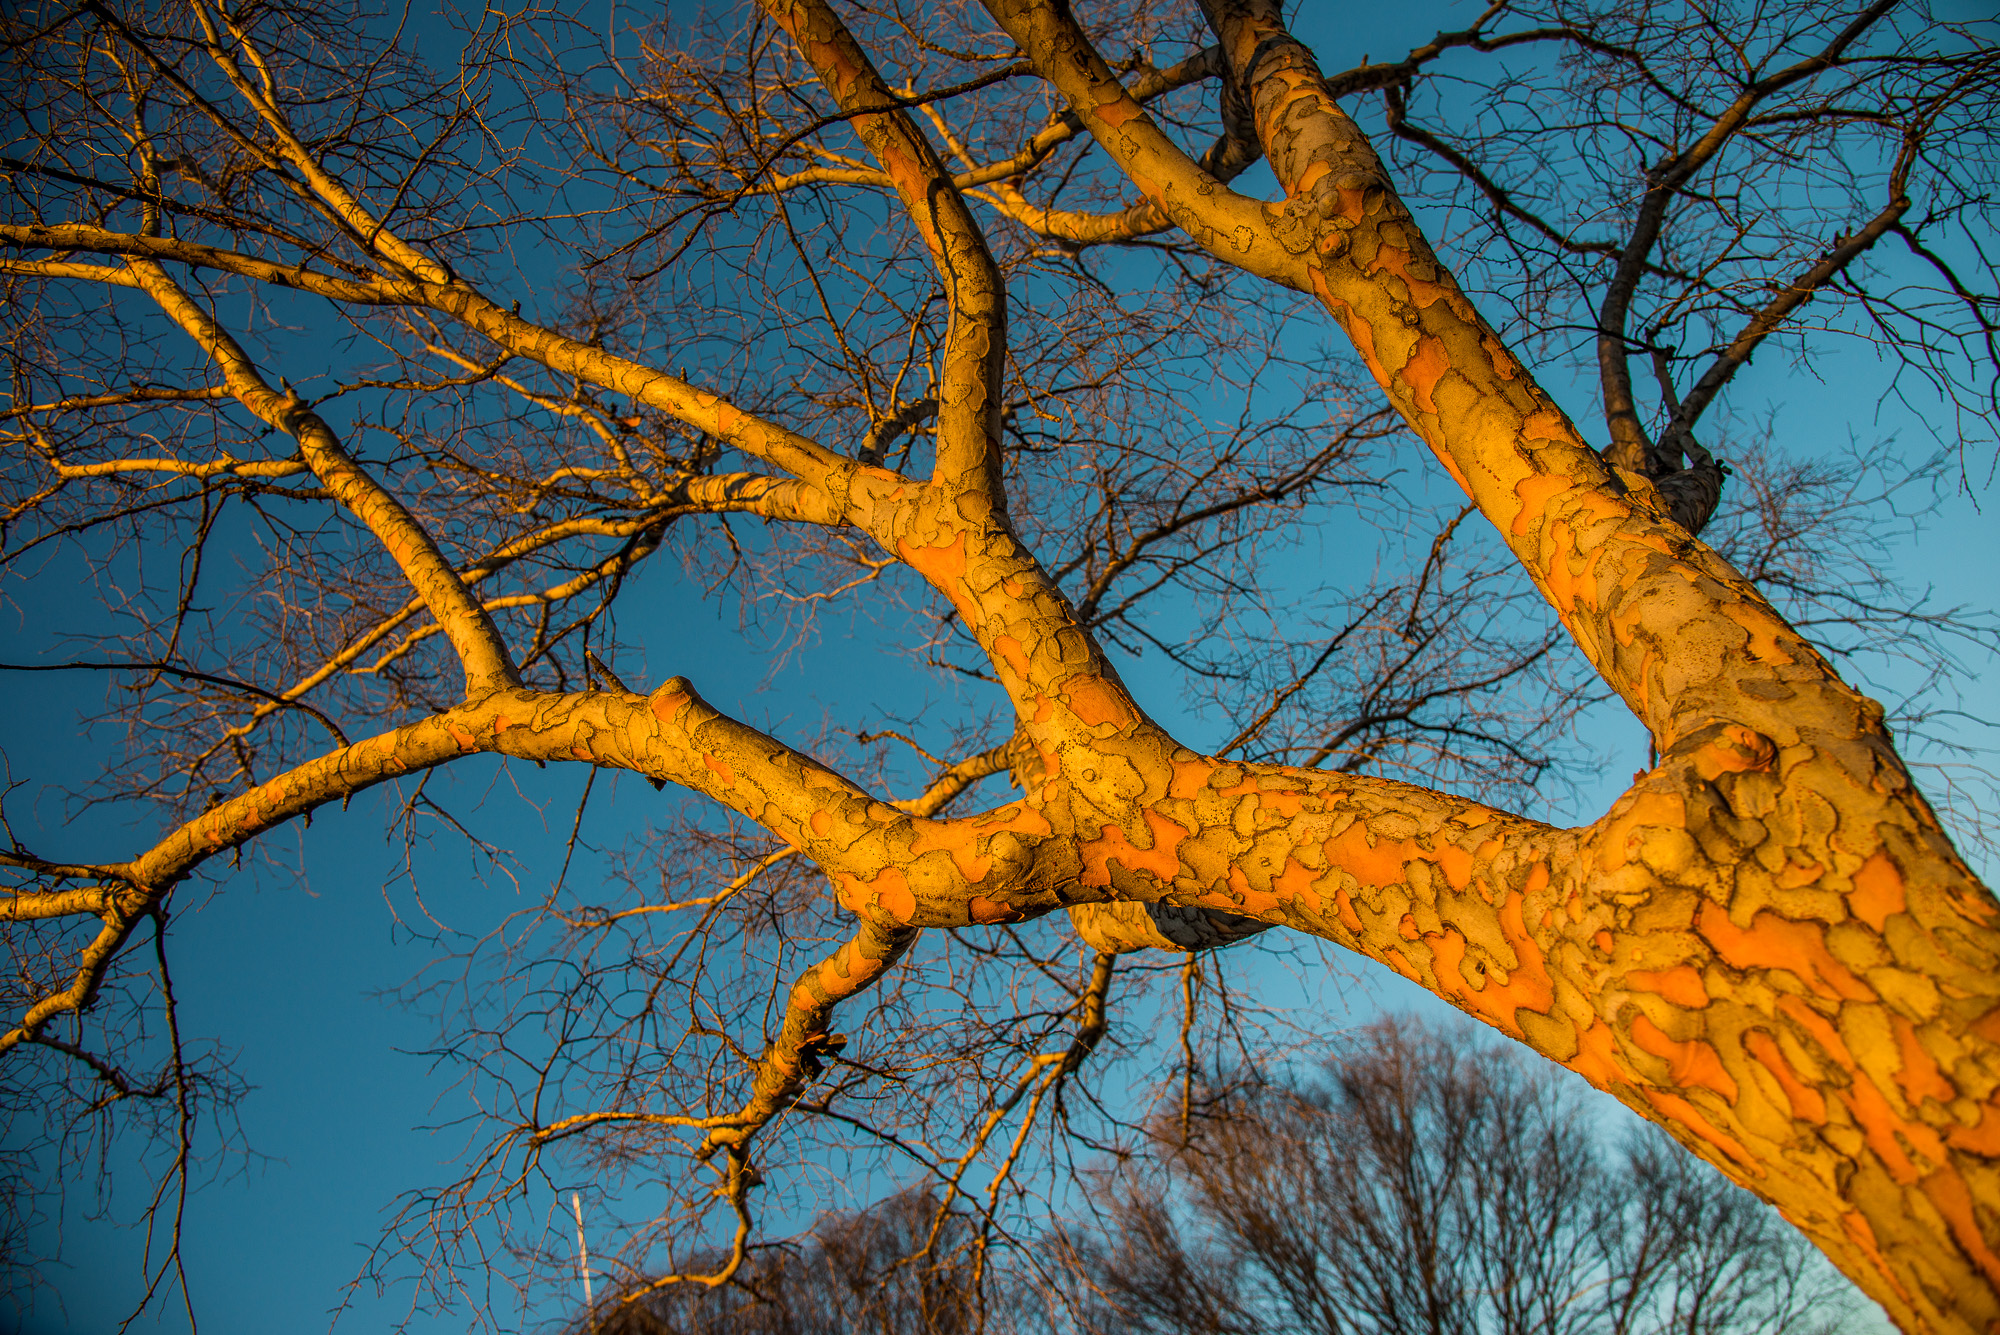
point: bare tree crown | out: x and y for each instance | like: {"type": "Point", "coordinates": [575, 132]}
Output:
{"type": "Point", "coordinates": [973, 316]}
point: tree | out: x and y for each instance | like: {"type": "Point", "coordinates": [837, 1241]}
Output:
{"type": "Point", "coordinates": [877, 311]}
{"type": "Point", "coordinates": [1482, 1177]}
{"type": "Point", "coordinates": [854, 1272]}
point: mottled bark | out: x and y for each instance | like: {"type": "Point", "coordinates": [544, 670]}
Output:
{"type": "Point", "coordinates": [1767, 945]}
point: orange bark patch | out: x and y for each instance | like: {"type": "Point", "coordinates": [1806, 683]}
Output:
{"type": "Point", "coordinates": [1528, 986]}
{"type": "Point", "coordinates": [1808, 1104]}
{"type": "Point", "coordinates": [1012, 654]}
{"type": "Point", "coordinates": [1298, 882]}
{"type": "Point", "coordinates": [1161, 860]}
{"type": "Point", "coordinates": [1117, 108]}
{"type": "Point", "coordinates": [821, 823]}
{"type": "Point", "coordinates": [1190, 778]}
{"type": "Point", "coordinates": [1878, 891]}
{"type": "Point", "coordinates": [1356, 328]}
{"type": "Point", "coordinates": [1344, 908]}
{"type": "Point", "coordinates": [1371, 864]}
{"type": "Point", "coordinates": [982, 909]}
{"type": "Point", "coordinates": [720, 768]}
{"type": "Point", "coordinates": [1395, 260]}
{"type": "Point", "coordinates": [1456, 864]}
{"type": "Point", "coordinates": [1407, 928]}
{"type": "Point", "coordinates": [1249, 899]}
{"type": "Point", "coordinates": [1981, 1138]}
{"type": "Point", "coordinates": [1447, 954]}
{"type": "Point", "coordinates": [1690, 1062]}
{"type": "Point", "coordinates": [1596, 1057]}
{"type": "Point", "coordinates": [893, 894]}
{"type": "Point", "coordinates": [1953, 1200]}
{"type": "Point", "coordinates": [1535, 492]}
{"type": "Point", "coordinates": [1771, 942]}
{"type": "Point", "coordinates": [1285, 803]}
{"type": "Point", "coordinates": [958, 838]}
{"type": "Point", "coordinates": [1095, 700]}
{"type": "Point", "coordinates": [1680, 985]}
{"type": "Point", "coordinates": [1425, 368]}
{"type": "Point", "coordinates": [1891, 1137]}
{"type": "Point", "coordinates": [943, 566]}
{"type": "Point", "coordinates": [1920, 1076]}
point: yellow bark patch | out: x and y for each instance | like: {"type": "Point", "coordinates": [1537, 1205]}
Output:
{"type": "Point", "coordinates": [1647, 809]}
{"type": "Point", "coordinates": [1735, 750]}
{"type": "Point", "coordinates": [1764, 629]}
{"type": "Point", "coordinates": [1857, 1227]}
{"type": "Point", "coordinates": [1674, 1108]}
{"type": "Point", "coordinates": [1357, 329]}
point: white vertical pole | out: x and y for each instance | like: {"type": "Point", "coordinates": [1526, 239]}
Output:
{"type": "Point", "coordinates": [582, 1252]}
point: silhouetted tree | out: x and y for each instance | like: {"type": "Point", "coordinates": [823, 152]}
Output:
{"type": "Point", "coordinates": [1425, 1186]}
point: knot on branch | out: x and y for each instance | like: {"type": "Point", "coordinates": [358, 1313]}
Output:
{"type": "Point", "coordinates": [1121, 928]}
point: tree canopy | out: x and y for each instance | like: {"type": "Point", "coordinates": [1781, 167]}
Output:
{"type": "Point", "coordinates": [372, 374]}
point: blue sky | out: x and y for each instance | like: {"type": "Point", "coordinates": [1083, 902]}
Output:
{"type": "Point", "coordinates": [290, 972]}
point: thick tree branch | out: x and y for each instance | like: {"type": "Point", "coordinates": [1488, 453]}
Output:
{"type": "Point", "coordinates": [488, 666]}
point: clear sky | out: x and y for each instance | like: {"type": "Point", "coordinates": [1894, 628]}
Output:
{"type": "Point", "coordinates": [289, 972]}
